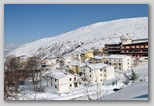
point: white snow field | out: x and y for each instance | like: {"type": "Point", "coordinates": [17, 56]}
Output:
{"type": "Point", "coordinates": [85, 38]}
{"type": "Point", "coordinates": [137, 91]}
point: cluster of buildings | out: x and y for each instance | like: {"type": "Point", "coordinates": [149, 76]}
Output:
{"type": "Point", "coordinates": [95, 66]}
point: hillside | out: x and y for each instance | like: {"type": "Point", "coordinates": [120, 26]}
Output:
{"type": "Point", "coordinates": [85, 38]}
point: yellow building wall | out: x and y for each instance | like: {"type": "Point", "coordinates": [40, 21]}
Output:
{"type": "Point", "coordinates": [88, 54]}
{"type": "Point", "coordinates": [74, 68]}
{"type": "Point", "coordinates": [101, 50]}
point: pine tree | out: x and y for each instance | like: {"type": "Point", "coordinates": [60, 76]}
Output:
{"type": "Point", "coordinates": [133, 76]}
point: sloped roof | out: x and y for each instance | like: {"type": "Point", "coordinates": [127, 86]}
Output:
{"type": "Point", "coordinates": [56, 74]}
{"type": "Point", "coordinates": [116, 56]}
{"type": "Point", "coordinates": [97, 66]}
{"type": "Point", "coordinates": [138, 41]}
{"type": "Point", "coordinates": [77, 63]}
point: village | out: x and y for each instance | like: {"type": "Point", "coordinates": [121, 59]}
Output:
{"type": "Point", "coordinates": [95, 66]}
{"type": "Point", "coordinates": [103, 66]}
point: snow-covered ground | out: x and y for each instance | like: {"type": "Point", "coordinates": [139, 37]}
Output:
{"type": "Point", "coordinates": [132, 91]}
{"type": "Point", "coordinates": [137, 91]}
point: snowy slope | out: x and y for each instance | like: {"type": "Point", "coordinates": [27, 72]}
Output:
{"type": "Point", "coordinates": [137, 91]}
{"type": "Point", "coordinates": [85, 38]}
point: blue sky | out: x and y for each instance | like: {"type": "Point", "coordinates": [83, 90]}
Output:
{"type": "Point", "coordinates": [25, 23]}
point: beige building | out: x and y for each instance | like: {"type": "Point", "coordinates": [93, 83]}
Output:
{"type": "Point", "coordinates": [75, 66]}
{"type": "Point", "coordinates": [97, 59]}
{"type": "Point", "coordinates": [120, 62]}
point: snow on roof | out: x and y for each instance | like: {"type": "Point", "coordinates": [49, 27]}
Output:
{"type": "Point", "coordinates": [138, 41]}
{"type": "Point", "coordinates": [74, 62]}
{"type": "Point", "coordinates": [97, 57]}
{"type": "Point", "coordinates": [116, 56]}
{"type": "Point", "coordinates": [82, 64]}
{"type": "Point", "coordinates": [67, 57]}
{"type": "Point", "coordinates": [114, 43]}
{"type": "Point", "coordinates": [77, 63]}
{"type": "Point", "coordinates": [56, 74]}
{"type": "Point", "coordinates": [97, 66]}
{"type": "Point", "coordinates": [137, 91]}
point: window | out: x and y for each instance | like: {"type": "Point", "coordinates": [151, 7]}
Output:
{"type": "Point", "coordinates": [119, 64]}
{"type": "Point", "coordinates": [104, 70]}
{"type": "Point", "coordinates": [90, 75]}
{"type": "Point", "coordinates": [70, 79]}
{"type": "Point", "coordinates": [70, 85]}
{"type": "Point", "coordinates": [128, 63]}
{"type": "Point", "coordinates": [101, 69]}
{"type": "Point", "coordinates": [75, 85]}
{"type": "Point", "coordinates": [90, 71]}
{"type": "Point", "coordinates": [55, 80]}
{"type": "Point", "coordinates": [100, 74]}
{"type": "Point", "coordinates": [75, 78]}
{"type": "Point", "coordinates": [55, 86]}
{"type": "Point", "coordinates": [104, 75]}
{"type": "Point", "coordinates": [128, 59]}
{"type": "Point", "coordinates": [101, 80]}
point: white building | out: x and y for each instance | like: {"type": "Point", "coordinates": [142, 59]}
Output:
{"type": "Point", "coordinates": [120, 62]}
{"type": "Point", "coordinates": [97, 73]}
{"type": "Point", "coordinates": [62, 81]}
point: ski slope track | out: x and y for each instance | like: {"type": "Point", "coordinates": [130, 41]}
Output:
{"type": "Point", "coordinates": [85, 38]}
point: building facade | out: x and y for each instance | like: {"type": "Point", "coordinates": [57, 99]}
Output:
{"type": "Point", "coordinates": [97, 73]}
{"type": "Point", "coordinates": [112, 48]}
{"type": "Point", "coordinates": [138, 48]}
{"type": "Point", "coordinates": [120, 62]}
{"type": "Point", "coordinates": [65, 82]}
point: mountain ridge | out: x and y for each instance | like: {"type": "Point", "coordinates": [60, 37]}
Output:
{"type": "Point", "coordinates": [85, 38]}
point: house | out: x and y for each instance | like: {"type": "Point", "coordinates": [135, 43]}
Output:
{"type": "Point", "coordinates": [98, 52]}
{"type": "Point", "coordinates": [137, 48]}
{"type": "Point", "coordinates": [75, 66]}
{"type": "Point", "coordinates": [48, 62]}
{"type": "Point", "coordinates": [85, 55]}
{"type": "Point", "coordinates": [120, 62]}
{"type": "Point", "coordinates": [97, 59]}
{"type": "Point", "coordinates": [67, 59]}
{"type": "Point", "coordinates": [97, 73]}
{"type": "Point", "coordinates": [62, 81]}
{"type": "Point", "coordinates": [89, 54]}
{"type": "Point", "coordinates": [22, 58]}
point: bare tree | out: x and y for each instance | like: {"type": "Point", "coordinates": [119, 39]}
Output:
{"type": "Point", "coordinates": [12, 75]}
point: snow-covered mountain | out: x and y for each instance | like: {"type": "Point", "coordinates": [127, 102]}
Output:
{"type": "Point", "coordinates": [85, 38]}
